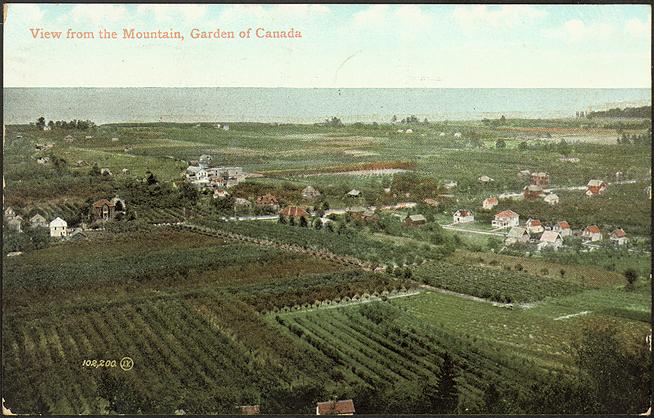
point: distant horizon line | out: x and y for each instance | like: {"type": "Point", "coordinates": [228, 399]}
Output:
{"type": "Point", "coordinates": [326, 88]}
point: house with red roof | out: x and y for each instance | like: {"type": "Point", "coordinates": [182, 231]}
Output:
{"type": "Point", "coordinates": [563, 228]}
{"type": "Point", "coordinates": [344, 407]}
{"type": "Point", "coordinates": [103, 209]}
{"type": "Point", "coordinates": [619, 237]}
{"type": "Point", "coordinates": [592, 233]}
{"type": "Point", "coordinates": [533, 192]}
{"type": "Point", "coordinates": [293, 212]}
{"type": "Point", "coordinates": [534, 226]}
{"type": "Point", "coordinates": [506, 218]}
{"type": "Point", "coordinates": [462, 216]}
{"type": "Point", "coordinates": [489, 203]}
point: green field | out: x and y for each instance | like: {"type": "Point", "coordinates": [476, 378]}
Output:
{"type": "Point", "coordinates": [216, 314]}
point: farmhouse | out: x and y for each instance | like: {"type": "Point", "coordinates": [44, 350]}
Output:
{"type": "Point", "coordinates": [106, 172]}
{"type": "Point", "coordinates": [485, 179]}
{"type": "Point", "coordinates": [345, 407]}
{"type": "Point", "coordinates": [550, 239]}
{"type": "Point", "coordinates": [43, 160]}
{"type": "Point", "coordinates": [310, 193]}
{"type": "Point", "coordinates": [534, 226]}
{"type": "Point", "coordinates": [81, 163]}
{"type": "Point", "coordinates": [103, 209]}
{"type": "Point", "coordinates": [540, 179]}
{"type": "Point", "coordinates": [489, 203]}
{"type": "Point", "coordinates": [551, 199]}
{"type": "Point", "coordinates": [463, 216]}
{"type": "Point", "coordinates": [595, 187]}
{"type": "Point", "coordinates": [532, 192]}
{"type": "Point", "coordinates": [15, 223]}
{"type": "Point", "coordinates": [415, 220]}
{"type": "Point", "coordinates": [268, 200]}
{"type": "Point", "coordinates": [38, 221]}
{"type": "Point", "coordinates": [58, 228]}
{"type": "Point", "coordinates": [457, 134]}
{"type": "Point", "coordinates": [408, 131]}
{"type": "Point", "coordinates": [563, 228]}
{"type": "Point", "coordinates": [592, 233]}
{"type": "Point", "coordinates": [354, 193]}
{"type": "Point", "coordinates": [293, 212]}
{"type": "Point", "coordinates": [69, 138]}
{"type": "Point", "coordinates": [431, 202]}
{"type": "Point", "coordinates": [9, 212]}
{"type": "Point", "coordinates": [524, 174]}
{"type": "Point", "coordinates": [619, 237]}
{"type": "Point", "coordinates": [505, 219]}
{"type": "Point", "coordinates": [517, 234]}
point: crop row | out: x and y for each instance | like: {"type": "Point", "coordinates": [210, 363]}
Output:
{"type": "Point", "coordinates": [352, 244]}
{"type": "Point", "coordinates": [493, 283]}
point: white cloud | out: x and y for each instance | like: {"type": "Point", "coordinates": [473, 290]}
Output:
{"type": "Point", "coordinates": [382, 14]}
{"type": "Point", "coordinates": [373, 15]}
{"type": "Point", "coordinates": [30, 13]}
{"type": "Point", "coordinates": [505, 16]}
{"type": "Point", "coordinates": [576, 30]}
{"type": "Point", "coordinates": [169, 12]}
{"type": "Point", "coordinates": [260, 13]}
{"type": "Point", "coordinates": [637, 28]}
{"type": "Point", "coordinates": [97, 13]}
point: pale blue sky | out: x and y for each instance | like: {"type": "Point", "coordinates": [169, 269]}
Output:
{"type": "Point", "coordinates": [342, 46]}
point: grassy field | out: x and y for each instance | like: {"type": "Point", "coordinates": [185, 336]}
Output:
{"type": "Point", "coordinates": [218, 314]}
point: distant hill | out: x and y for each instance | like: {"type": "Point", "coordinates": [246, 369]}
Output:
{"type": "Point", "coordinates": [628, 112]}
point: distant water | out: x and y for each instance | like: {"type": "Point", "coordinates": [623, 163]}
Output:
{"type": "Point", "coordinates": [107, 105]}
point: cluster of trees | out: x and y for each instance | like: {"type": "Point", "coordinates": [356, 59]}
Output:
{"type": "Point", "coordinates": [643, 112]}
{"type": "Point", "coordinates": [562, 147]}
{"type": "Point", "coordinates": [413, 119]}
{"type": "Point", "coordinates": [29, 239]}
{"type": "Point", "coordinates": [62, 124]}
{"type": "Point", "coordinates": [494, 122]}
{"type": "Point", "coordinates": [613, 377]}
{"type": "Point", "coordinates": [641, 139]}
{"type": "Point", "coordinates": [333, 122]}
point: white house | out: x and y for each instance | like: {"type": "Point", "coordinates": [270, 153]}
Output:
{"type": "Point", "coordinates": [463, 216]}
{"type": "Point", "coordinates": [485, 179]}
{"type": "Point", "coordinates": [592, 233]}
{"type": "Point", "coordinates": [563, 228]}
{"type": "Point", "coordinates": [550, 239]}
{"type": "Point", "coordinates": [457, 135]}
{"type": "Point", "coordinates": [38, 221]}
{"type": "Point", "coordinates": [534, 226]}
{"type": "Point", "coordinates": [58, 228]}
{"type": "Point", "coordinates": [595, 187]}
{"type": "Point", "coordinates": [408, 131]}
{"type": "Point", "coordinates": [619, 237]}
{"type": "Point", "coordinates": [551, 199]}
{"type": "Point", "coordinates": [505, 219]}
{"type": "Point", "coordinates": [517, 234]}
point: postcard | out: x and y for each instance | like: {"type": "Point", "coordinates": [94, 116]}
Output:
{"type": "Point", "coordinates": [329, 209]}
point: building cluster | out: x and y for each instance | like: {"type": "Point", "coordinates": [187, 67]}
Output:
{"type": "Point", "coordinates": [550, 236]}
{"type": "Point", "coordinates": [203, 175]}
{"type": "Point", "coordinates": [102, 210]}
